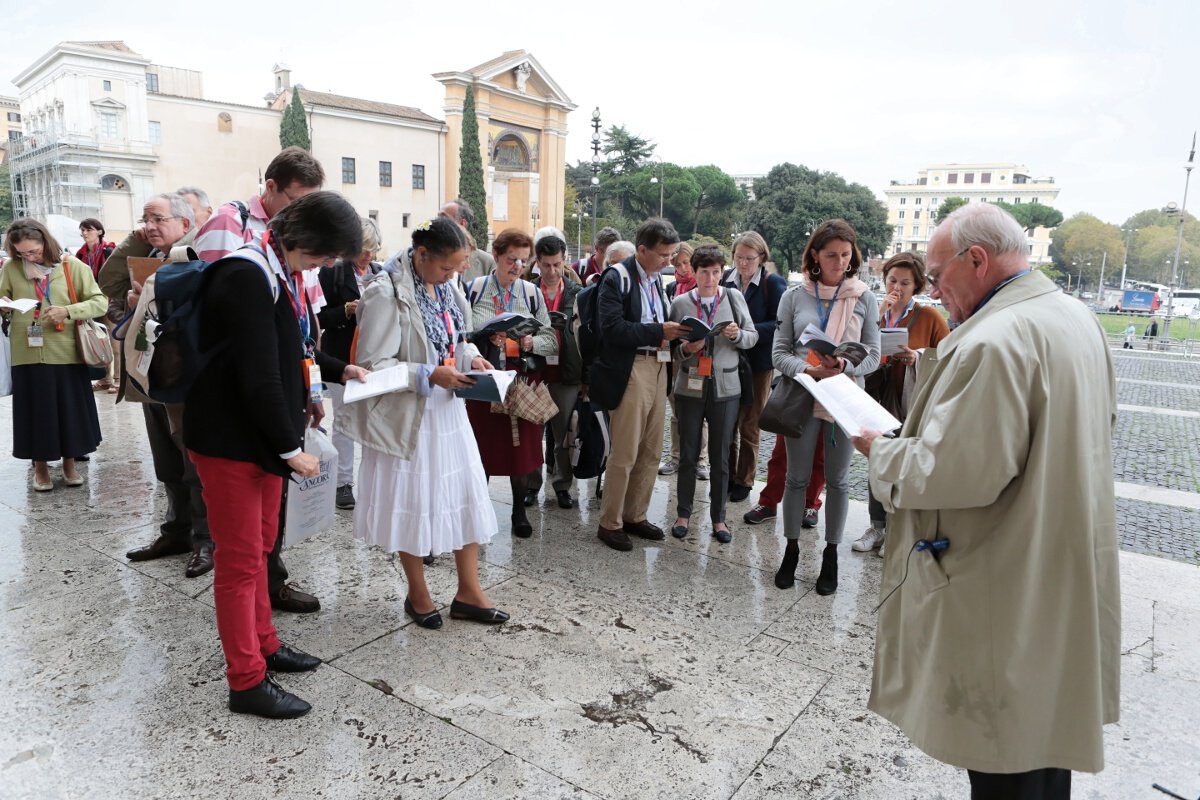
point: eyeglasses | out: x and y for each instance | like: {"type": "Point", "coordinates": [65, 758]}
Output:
{"type": "Point", "coordinates": [33, 252]}
{"type": "Point", "coordinates": [935, 278]}
{"type": "Point", "coordinates": [156, 220]}
{"type": "Point", "coordinates": [746, 259]}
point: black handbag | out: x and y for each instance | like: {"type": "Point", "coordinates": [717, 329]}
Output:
{"type": "Point", "coordinates": [788, 409]}
{"type": "Point", "coordinates": [746, 377]}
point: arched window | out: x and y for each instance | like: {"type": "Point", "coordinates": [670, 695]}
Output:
{"type": "Point", "coordinates": [114, 183]}
{"type": "Point", "coordinates": [510, 153]}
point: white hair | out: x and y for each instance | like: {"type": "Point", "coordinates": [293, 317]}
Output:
{"type": "Point", "coordinates": [200, 195]}
{"type": "Point", "coordinates": [180, 207]}
{"type": "Point", "coordinates": [370, 235]}
{"type": "Point", "coordinates": [986, 225]}
{"type": "Point", "coordinates": [549, 230]}
{"type": "Point", "coordinates": [618, 251]}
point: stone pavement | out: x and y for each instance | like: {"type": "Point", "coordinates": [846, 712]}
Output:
{"type": "Point", "coordinates": [676, 670]}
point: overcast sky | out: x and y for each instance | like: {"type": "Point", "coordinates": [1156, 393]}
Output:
{"type": "Point", "coordinates": [1101, 95]}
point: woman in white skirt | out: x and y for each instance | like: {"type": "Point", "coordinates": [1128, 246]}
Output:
{"type": "Point", "coordinates": [422, 489]}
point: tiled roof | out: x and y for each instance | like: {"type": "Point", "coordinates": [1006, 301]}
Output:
{"type": "Point", "coordinates": [369, 106]}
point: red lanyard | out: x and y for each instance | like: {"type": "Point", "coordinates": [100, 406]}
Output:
{"type": "Point", "coordinates": [507, 302]}
{"type": "Point", "coordinates": [42, 288]}
{"type": "Point", "coordinates": [700, 309]}
{"type": "Point", "coordinates": [298, 297]}
{"type": "Point", "coordinates": [556, 303]}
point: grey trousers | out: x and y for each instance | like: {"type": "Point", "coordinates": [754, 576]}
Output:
{"type": "Point", "coordinates": [800, 449]}
{"type": "Point", "coordinates": [186, 515]}
{"type": "Point", "coordinates": [564, 398]}
{"type": "Point", "coordinates": [721, 416]}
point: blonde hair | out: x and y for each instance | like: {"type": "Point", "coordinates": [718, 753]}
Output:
{"type": "Point", "coordinates": [370, 235]}
{"type": "Point", "coordinates": [755, 241]}
{"type": "Point", "coordinates": [685, 249]}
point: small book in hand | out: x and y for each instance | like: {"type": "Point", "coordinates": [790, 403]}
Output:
{"type": "Point", "coordinates": [515, 326]}
{"type": "Point", "coordinates": [815, 339]}
{"type": "Point", "coordinates": [558, 320]}
{"type": "Point", "coordinates": [698, 330]}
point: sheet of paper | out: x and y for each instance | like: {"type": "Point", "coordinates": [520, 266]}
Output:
{"type": "Point", "coordinates": [853, 409]}
{"type": "Point", "coordinates": [385, 381]}
{"type": "Point", "coordinates": [28, 304]}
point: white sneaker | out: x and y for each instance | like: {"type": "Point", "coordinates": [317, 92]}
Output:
{"type": "Point", "coordinates": [882, 547]}
{"type": "Point", "coordinates": [868, 541]}
{"type": "Point", "coordinates": [668, 467]}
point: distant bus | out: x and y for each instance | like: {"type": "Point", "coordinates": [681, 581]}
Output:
{"type": "Point", "coordinates": [1135, 300]}
{"type": "Point", "coordinates": [1187, 302]}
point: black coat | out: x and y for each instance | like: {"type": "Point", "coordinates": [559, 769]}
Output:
{"type": "Point", "coordinates": [762, 299]}
{"type": "Point", "coordinates": [340, 287]}
{"type": "Point", "coordinates": [249, 403]}
{"type": "Point", "coordinates": [621, 334]}
{"type": "Point", "coordinates": [570, 362]}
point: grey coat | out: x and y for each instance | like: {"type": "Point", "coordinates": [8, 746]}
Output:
{"type": "Point", "coordinates": [724, 352]}
{"type": "Point", "coordinates": [797, 309]}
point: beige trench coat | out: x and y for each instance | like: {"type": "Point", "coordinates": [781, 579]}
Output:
{"type": "Point", "coordinates": [1003, 656]}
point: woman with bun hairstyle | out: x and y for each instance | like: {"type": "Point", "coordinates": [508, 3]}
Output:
{"type": "Point", "coordinates": [422, 488]}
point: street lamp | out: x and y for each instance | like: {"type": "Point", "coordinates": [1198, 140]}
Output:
{"type": "Point", "coordinates": [659, 180]}
{"type": "Point", "coordinates": [595, 169]}
{"type": "Point", "coordinates": [1129, 234]}
{"type": "Point", "coordinates": [1187, 168]}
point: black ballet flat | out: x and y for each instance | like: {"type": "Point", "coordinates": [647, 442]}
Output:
{"type": "Point", "coordinates": [432, 620]}
{"type": "Point", "coordinates": [490, 616]}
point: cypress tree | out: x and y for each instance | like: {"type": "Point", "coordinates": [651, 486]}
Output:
{"type": "Point", "coordinates": [293, 128]}
{"type": "Point", "coordinates": [470, 171]}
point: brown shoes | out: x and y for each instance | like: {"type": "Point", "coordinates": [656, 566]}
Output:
{"type": "Point", "coordinates": [645, 530]}
{"type": "Point", "coordinates": [616, 539]}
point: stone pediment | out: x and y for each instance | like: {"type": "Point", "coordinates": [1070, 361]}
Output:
{"type": "Point", "coordinates": [108, 103]}
{"type": "Point", "coordinates": [515, 71]}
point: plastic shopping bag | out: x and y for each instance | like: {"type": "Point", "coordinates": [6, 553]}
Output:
{"type": "Point", "coordinates": [5, 366]}
{"type": "Point", "coordinates": [310, 503]}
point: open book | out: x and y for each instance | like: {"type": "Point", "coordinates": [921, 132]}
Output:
{"type": "Point", "coordinates": [385, 381]}
{"type": "Point", "coordinates": [853, 409]}
{"type": "Point", "coordinates": [699, 330]}
{"type": "Point", "coordinates": [22, 306]}
{"type": "Point", "coordinates": [815, 339]}
{"type": "Point", "coordinates": [515, 326]}
{"type": "Point", "coordinates": [491, 385]}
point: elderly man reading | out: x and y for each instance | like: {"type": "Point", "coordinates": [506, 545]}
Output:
{"type": "Point", "coordinates": [998, 640]}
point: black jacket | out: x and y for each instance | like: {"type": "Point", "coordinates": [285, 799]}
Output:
{"type": "Point", "coordinates": [340, 287]}
{"type": "Point", "coordinates": [249, 403]}
{"type": "Point", "coordinates": [763, 301]}
{"type": "Point", "coordinates": [621, 334]}
{"type": "Point", "coordinates": [570, 362]}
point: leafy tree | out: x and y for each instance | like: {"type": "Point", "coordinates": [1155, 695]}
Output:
{"type": "Point", "coordinates": [470, 171]}
{"type": "Point", "coordinates": [293, 128]}
{"type": "Point", "coordinates": [949, 206]}
{"type": "Point", "coordinates": [627, 152]}
{"type": "Point", "coordinates": [1033, 215]}
{"type": "Point", "coordinates": [718, 193]}
{"type": "Point", "coordinates": [791, 200]}
{"type": "Point", "coordinates": [6, 199]}
{"type": "Point", "coordinates": [1078, 248]}
{"type": "Point", "coordinates": [1152, 246]}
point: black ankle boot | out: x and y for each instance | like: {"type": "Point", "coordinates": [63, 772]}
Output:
{"type": "Point", "coordinates": [785, 578]}
{"type": "Point", "coordinates": [827, 580]}
{"type": "Point", "coordinates": [521, 527]}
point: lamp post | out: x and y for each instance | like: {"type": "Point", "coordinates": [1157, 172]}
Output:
{"type": "Point", "coordinates": [580, 213]}
{"type": "Point", "coordinates": [1187, 168]}
{"type": "Point", "coordinates": [595, 169]}
{"type": "Point", "coordinates": [1125, 263]}
{"type": "Point", "coordinates": [659, 180]}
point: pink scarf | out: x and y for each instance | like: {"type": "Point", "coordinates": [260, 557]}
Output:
{"type": "Point", "coordinates": [843, 325]}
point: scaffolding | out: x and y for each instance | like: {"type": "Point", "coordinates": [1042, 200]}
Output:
{"type": "Point", "coordinates": [54, 173]}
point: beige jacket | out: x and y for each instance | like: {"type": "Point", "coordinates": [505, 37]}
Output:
{"type": "Point", "coordinates": [1003, 656]}
{"type": "Point", "coordinates": [391, 332]}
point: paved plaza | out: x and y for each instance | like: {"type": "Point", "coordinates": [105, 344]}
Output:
{"type": "Point", "coordinates": [675, 671]}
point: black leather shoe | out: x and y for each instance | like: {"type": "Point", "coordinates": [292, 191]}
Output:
{"type": "Point", "coordinates": [564, 499]}
{"type": "Point", "coordinates": [679, 531]}
{"type": "Point", "coordinates": [645, 530]}
{"type": "Point", "coordinates": [723, 535]}
{"type": "Point", "coordinates": [269, 700]}
{"type": "Point", "coordinates": [285, 659]}
{"type": "Point", "coordinates": [828, 579]}
{"type": "Point", "coordinates": [738, 493]}
{"type": "Point", "coordinates": [201, 561]}
{"type": "Point", "coordinates": [616, 539]}
{"type": "Point", "coordinates": [432, 620]}
{"type": "Point", "coordinates": [785, 577]}
{"type": "Point", "coordinates": [521, 528]}
{"type": "Point", "coordinates": [295, 601]}
{"type": "Point", "coordinates": [490, 616]}
{"type": "Point", "coordinates": [160, 547]}
{"type": "Point", "coordinates": [428, 560]}
{"type": "Point", "coordinates": [530, 498]}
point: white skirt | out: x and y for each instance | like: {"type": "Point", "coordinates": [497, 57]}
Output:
{"type": "Point", "coordinates": [437, 502]}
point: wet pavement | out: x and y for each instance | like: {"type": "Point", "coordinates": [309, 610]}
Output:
{"type": "Point", "coordinates": [674, 670]}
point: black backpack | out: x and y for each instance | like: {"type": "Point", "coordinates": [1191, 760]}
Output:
{"type": "Point", "coordinates": [587, 335]}
{"type": "Point", "coordinates": [588, 440]}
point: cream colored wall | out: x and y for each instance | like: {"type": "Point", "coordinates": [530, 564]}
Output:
{"type": "Point", "coordinates": [368, 142]}
{"type": "Point", "coordinates": [178, 81]}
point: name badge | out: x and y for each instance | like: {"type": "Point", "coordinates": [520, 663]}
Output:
{"type": "Point", "coordinates": [313, 374]}
{"type": "Point", "coordinates": [664, 353]}
{"type": "Point", "coordinates": [144, 357]}
{"type": "Point", "coordinates": [695, 382]}
{"type": "Point", "coordinates": [35, 337]}
{"type": "Point", "coordinates": [552, 361]}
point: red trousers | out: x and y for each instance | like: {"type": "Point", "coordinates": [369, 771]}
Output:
{"type": "Point", "coordinates": [772, 493]}
{"type": "Point", "coordinates": [243, 515]}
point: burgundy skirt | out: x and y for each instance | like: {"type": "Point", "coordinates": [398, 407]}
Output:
{"type": "Point", "coordinates": [494, 434]}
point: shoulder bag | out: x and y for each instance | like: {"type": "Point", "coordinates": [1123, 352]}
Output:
{"type": "Point", "coordinates": [91, 337]}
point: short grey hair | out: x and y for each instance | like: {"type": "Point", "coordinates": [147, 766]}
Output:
{"type": "Point", "coordinates": [200, 195]}
{"type": "Point", "coordinates": [370, 235]}
{"type": "Point", "coordinates": [180, 207]}
{"type": "Point", "coordinates": [618, 251]}
{"type": "Point", "coordinates": [986, 225]}
{"type": "Point", "coordinates": [549, 230]}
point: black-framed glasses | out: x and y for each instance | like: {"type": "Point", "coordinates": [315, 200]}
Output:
{"type": "Point", "coordinates": [157, 220]}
